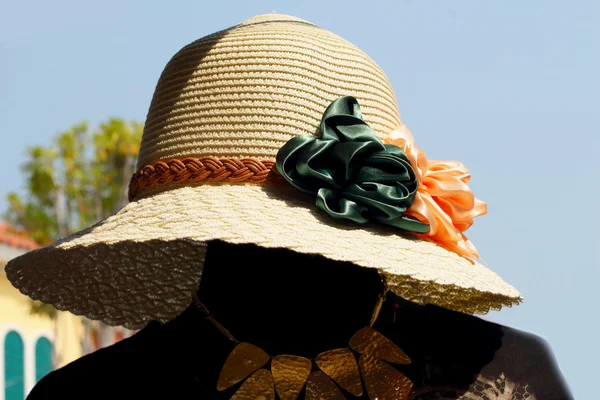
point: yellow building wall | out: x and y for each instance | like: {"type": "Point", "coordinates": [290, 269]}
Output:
{"type": "Point", "coordinates": [15, 315]}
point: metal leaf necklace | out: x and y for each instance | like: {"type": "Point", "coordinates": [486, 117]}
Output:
{"type": "Point", "coordinates": [323, 376]}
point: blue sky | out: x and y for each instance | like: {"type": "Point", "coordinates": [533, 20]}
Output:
{"type": "Point", "coordinates": [509, 88]}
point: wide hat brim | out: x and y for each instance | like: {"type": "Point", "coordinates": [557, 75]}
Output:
{"type": "Point", "coordinates": [145, 262]}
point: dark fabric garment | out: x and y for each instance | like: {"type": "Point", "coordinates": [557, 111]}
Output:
{"type": "Point", "coordinates": [454, 356]}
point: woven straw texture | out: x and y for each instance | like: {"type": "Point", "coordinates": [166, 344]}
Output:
{"type": "Point", "coordinates": [245, 91]}
{"type": "Point", "coordinates": [242, 93]}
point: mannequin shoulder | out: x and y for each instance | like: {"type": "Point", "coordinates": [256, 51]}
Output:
{"type": "Point", "coordinates": [471, 354]}
{"type": "Point", "coordinates": [525, 366]}
{"type": "Point", "coordinates": [122, 368]}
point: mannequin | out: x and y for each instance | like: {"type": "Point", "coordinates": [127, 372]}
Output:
{"type": "Point", "coordinates": [287, 303]}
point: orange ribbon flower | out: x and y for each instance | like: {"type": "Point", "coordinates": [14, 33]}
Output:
{"type": "Point", "coordinates": [443, 200]}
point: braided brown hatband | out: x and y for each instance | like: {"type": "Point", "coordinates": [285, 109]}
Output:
{"type": "Point", "coordinates": [210, 169]}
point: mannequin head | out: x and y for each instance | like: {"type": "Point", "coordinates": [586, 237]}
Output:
{"type": "Point", "coordinates": [270, 295]}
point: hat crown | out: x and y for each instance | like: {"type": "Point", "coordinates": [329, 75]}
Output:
{"type": "Point", "coordinates": [245, 91]}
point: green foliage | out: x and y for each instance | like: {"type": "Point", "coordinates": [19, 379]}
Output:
{"type": "Point", "coordinates": [78, 179]}
{"type": "Point", "coordinates": [31, 217]}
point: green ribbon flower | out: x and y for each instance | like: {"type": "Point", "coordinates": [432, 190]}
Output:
{"type": "Point", "coordinates": [352, 173]}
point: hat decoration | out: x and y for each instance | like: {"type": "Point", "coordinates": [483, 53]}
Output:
{"type": "Point", "coordinates": [355, 176]}
{"type": "Point", "coordinates": [352, 173]}
{"type": "Point", "coordinates": [443, 199]}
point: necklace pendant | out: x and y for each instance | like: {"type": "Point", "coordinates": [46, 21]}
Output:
{"type": "Point", "coordinates": [243, 360]}
{"type": "Point", "coordinates": [340, 365]}
{"type": "Point", "coordinates": [382, 380]}
{"type": "Point", "coordinates": [369, 341]}
{"type": "Point", "coordinates": [290, 374]}
{"type": "Point", "coordinates": [258, 387]}
{"type": "Point", "coordinates": [320, 387]}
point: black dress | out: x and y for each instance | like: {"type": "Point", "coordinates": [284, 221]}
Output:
{"type": "Point", "coordinates": [454, 356]}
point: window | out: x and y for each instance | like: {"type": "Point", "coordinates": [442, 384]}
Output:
{"type": "Point", "coordinates": [14, 367]}
{"type": "Point", "coordinates": [43, 358]}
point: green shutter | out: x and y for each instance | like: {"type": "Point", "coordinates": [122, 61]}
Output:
{"type": "Point", "coordinates": [43, 358]}
{"type": "Point", "coordinates": [14, 367]}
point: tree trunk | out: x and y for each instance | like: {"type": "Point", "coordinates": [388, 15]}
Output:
{"type": "Point", "coordinates": [60, 221]}
{"type": "Point", "coordinates": [87, 346]}
{"type": "Point", "coordinates": [124, 192]}
{"type": "Point", "coordinates": [106, 335]}
{"type": "Point", "coordinates": [56, 359]}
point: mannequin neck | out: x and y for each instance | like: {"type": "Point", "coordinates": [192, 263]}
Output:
{"type": "Point", "coordinates": [285, 302]}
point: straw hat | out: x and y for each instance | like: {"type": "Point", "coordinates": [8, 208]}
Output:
{"type": "Point", "coordinates": [223, 108]}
